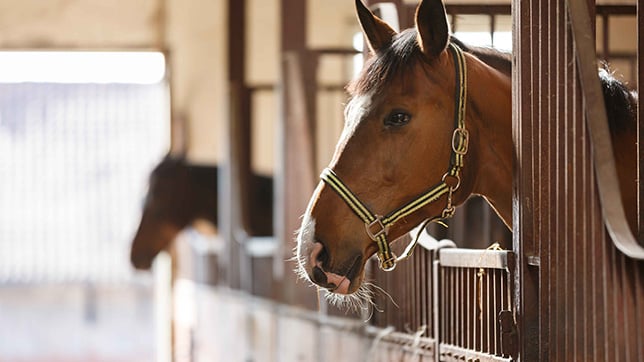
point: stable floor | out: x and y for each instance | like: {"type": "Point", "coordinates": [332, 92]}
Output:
{"type": "Point", "coordinates": [76, 322]}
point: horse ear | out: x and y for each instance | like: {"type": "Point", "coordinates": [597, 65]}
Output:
{"type": "Point", "coordinates": [432, 27]}
{"type": "Point", "coordinates": [377, 32]}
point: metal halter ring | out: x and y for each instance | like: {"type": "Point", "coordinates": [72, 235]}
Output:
{"type": "Point", "coordinates": [460, 141]}
{"type": "Point", "coordinates": [392, 260]}
{"type": "Point", "coordinates": [458, 181]}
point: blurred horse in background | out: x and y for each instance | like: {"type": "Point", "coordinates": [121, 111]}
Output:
{"type": "Point", "coordinates": [179, 194]}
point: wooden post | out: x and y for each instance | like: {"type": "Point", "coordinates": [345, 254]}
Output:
{"type": "Point", "coordinates": [235, 170]}
{"type": "Point", "coordinates": [295, 175]}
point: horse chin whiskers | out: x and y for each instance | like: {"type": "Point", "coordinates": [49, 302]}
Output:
{"type": "Point", "coordinates": [360, 300]}
{"type": "Point", "coordinates": [304, 235]}
{"type": "Point", "coordinates": [299, 270]}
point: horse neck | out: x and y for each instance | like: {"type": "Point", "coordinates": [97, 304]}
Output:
{"type": "Point", "coordinates": [490, 117]}
{"type": "Point", "coordinates": [202, 191]}
{"type": "Point", "coordinates": [625, 152]}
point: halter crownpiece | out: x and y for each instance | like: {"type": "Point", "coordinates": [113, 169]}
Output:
{"type": "Point", "coordinates": [377, 226]}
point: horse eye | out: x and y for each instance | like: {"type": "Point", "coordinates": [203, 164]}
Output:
{"type": "Point", "coordinates": [397, 119]}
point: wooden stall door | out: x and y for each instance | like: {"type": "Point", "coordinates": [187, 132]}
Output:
{"type": "Point", "coordinates": [579, 298]}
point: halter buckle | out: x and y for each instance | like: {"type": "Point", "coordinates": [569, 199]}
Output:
{"type": "Point", "coordinates": [377, 222]}
{"type": "Point", "coordinates": [460, 141]}
{"type": "Point", "coordinates": [388, 264]}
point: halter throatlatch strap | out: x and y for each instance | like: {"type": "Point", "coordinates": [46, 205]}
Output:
{"type": "Point", "coordinates": [376, 226]}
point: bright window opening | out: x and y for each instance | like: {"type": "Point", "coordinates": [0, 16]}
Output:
{"type": "Point", "coordinates": [501, 40]}
{"type": "Point", "coordinates": [82, 67]}
{"type": "Point", "coordinates": [79, 134]}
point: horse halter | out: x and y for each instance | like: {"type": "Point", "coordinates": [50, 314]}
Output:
{"type": "Point", "coordinates": [377, 226]}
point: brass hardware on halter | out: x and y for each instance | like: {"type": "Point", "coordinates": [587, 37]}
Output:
{"type": "Point", "coordinates": [389, 264]}
{"type": "Point", "coordinates": [377, 222]}
{"type": "Point", "coordinates": [449, 210]}
{"type": "Point", "coordinates": [460, 141]}
{"type": "Point", "coordinates": [376, 226]}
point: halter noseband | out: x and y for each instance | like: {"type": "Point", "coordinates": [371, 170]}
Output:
{"type": "Point", "coordinates": [377, 226]}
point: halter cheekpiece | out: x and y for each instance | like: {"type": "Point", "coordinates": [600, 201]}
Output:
{"type": "Point", "coordinates": [377, 226]}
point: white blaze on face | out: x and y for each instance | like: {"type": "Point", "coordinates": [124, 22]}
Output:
{"type": "Point", "coordinates": [355, 111]}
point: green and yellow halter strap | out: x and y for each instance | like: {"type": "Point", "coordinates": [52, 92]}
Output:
{"type": "Point", "coordinates": [377, 226]}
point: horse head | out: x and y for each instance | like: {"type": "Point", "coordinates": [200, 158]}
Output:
{"type": "Point", "coordinates": [165, 213]}
{"type": "Point", "coordinates": [410, 149]}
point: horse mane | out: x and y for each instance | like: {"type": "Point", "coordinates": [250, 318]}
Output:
{"type": "Point", "coordinates": [404, 52]}
{"type": "Point", "coordinates": [173, 165]}
{"type": "Point", "coordinates": [621, 102]}
{"type": "Point", "coordinates": [497, 59]}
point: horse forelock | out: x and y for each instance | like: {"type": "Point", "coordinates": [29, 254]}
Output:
{"type": "Point", "coordinates": [388, 64]}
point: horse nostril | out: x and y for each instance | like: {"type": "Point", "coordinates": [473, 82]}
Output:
{"type": "Point", "coordinates": [323, 255]}
{"type": "Point", "coordinates": [319, 276]}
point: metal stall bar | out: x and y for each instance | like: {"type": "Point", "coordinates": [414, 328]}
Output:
{"type": "Point", "coordinates": [469, 272]}
{"type": "Point", "coordinates": [640, 120]}
{"type": "Point", "coordinates": [578, 297]}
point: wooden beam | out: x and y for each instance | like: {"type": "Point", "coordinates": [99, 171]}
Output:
{"type": "Point", "coordinates": [295, 175]}
{"type": "Point", "coordinates": [235, 170]}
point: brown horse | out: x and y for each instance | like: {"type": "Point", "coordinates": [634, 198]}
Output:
{"type": "Point", "coordinates": [427, 126]}
{"type": "Point", "coordinates": [179, 194]}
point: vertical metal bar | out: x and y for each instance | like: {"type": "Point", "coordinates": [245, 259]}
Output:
{"type": "Point", "coordinates": [426, 285]}
{"type": "Point", "coordinates": [436, 308]}
{"type": "Point", "coordinates": [491, 313]}
{"type": "Point", "coordinates": [415, 267]}
{"type": "Point", "coordinates": [444, 318]}
{"type": "Point", "coordinates": [605, 37]}
{"type": "Point", "coordinates": [492, 28]}
{"type": "Point", "coordinates": [461, 306]}
{"type": "Point", "coordinates": [429, 288]}
{"type": "Point", "coordinates": [420, 286]}
{"type": "Point", "coordinates": [479, 317]}
{"type": "Point", "coordinates": [464, 310]}
{"type": "Point", "coordinates": [640, 118]}
{"type": "Point", "coordinates": [495, 348]}
{"type": "Point", "coordinates": [454, 304]}
{"type": "Point", "coordinates": [467, 331]}
{"type": "Point", "coordinates": [475, 309]}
